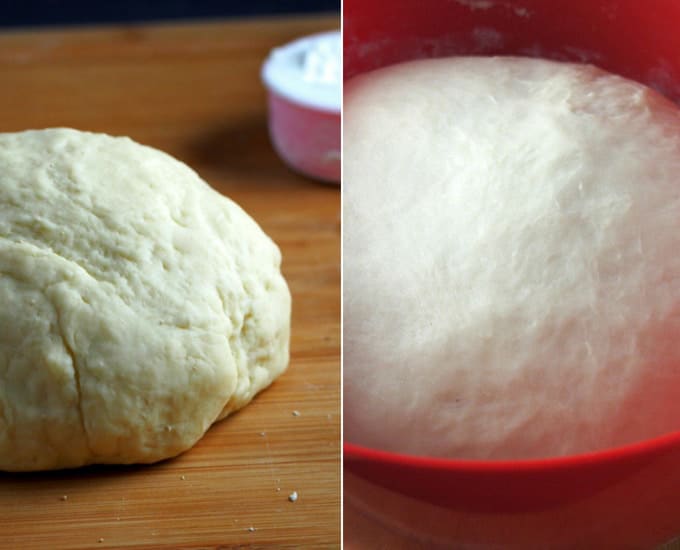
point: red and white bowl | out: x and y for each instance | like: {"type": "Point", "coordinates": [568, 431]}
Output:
{"type": "Point", "coordinates": [619, 498]}
{"type": "Point", "coordinates": [304, 113]}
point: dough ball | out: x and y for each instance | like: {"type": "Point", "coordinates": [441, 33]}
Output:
{"type": "Point", "coordinates": [137, 305]}
{"type": "Point", "coordinates": [511, 259]}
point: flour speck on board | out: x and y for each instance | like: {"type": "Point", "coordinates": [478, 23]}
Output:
{"type": "Point", "coordinates": [251, 529]}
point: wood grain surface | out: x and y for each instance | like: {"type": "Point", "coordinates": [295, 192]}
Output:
{"type": "Point", "coordinates": [193, 90]}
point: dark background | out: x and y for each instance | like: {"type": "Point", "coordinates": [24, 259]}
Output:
{"type": "Point", "coordinates": [30, 13]}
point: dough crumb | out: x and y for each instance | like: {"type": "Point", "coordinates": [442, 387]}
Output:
{"type": "Point", "coordinates": [251, 529]}
{"type": "Point", "coordinates": [296, 413]}
{"type": "Point", "coordinates": [100, 540]}
{"type": "Point", "coordinates": [262, 434]}
{"type": "Point", "coordinates": [293, 496]}
{"type": "Point", "coordinates": [63, 497]}
{"type": "Point", "coordinates": [182, 477]}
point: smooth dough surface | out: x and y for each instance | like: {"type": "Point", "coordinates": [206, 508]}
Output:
{"type": "Point", "coordinates": [137, 305]}
{"type": "Point", "coordinates": [511, 259]}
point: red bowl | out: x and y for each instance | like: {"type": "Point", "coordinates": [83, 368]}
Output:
{"type": "Point", "coordinates": [307, 139]}
{"type": "Point", "coordinates": [304, 118]}
{"type": "Point", "coordinates": [618, 498]}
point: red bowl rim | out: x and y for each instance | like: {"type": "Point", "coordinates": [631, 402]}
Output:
{"type": "Point", "coordinates": [631, 451]}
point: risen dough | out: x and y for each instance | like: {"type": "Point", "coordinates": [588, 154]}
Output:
{"type": "Point", "coordinates": [137, 305]}
{"type": "Point", "coordinates": [511, 259]}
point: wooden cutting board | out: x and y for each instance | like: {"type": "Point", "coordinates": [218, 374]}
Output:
{"type": "Point", "coordinates": [193, 90]}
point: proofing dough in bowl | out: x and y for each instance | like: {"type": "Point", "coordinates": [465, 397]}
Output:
{"type": "Point", "coordinates": [137, 305]}
{"type": "Point", "coordinates": [511, 259]}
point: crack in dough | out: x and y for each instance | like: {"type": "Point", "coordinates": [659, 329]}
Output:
{"type": "Point", "coordinates": [76, 378]}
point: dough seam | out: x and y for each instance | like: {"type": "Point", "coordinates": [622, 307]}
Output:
{"type": "Point", "coordinates": [76, 378]}
{"type": "Point", "coordinates": [227, 409]}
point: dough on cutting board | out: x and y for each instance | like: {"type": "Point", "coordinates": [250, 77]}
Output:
{"type": "Point", "coordinates": [511, 259]}
{"type": "Point", "coordinates": [137, 305]}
